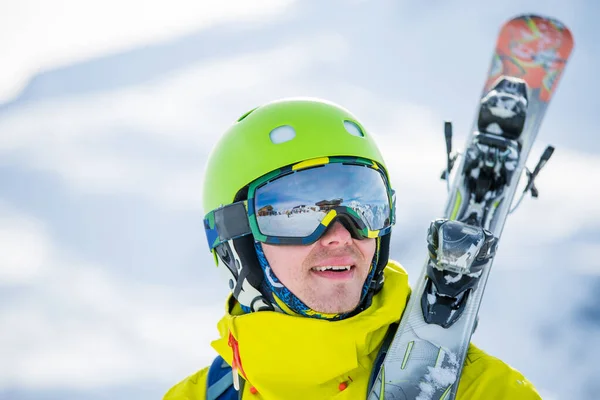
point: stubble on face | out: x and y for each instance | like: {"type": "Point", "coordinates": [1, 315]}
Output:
{"type": "Point", "coordinates": [331, 295]}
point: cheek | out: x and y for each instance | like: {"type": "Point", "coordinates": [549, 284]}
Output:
{"type": "Point", "coordinates": [367, 248]}
{"type": "Point", "coordinates": [285, 260]}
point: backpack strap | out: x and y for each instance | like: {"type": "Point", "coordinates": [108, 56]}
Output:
{"type": "Point", "coordinates": [387, 341]}
{"type": "Point", "coordinates": [219, 384]}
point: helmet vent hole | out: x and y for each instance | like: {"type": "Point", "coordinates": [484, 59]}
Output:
{"type": "Point", "coordinates": [282, 134]}
{"type": "Point", "coordinates": [353, 129]}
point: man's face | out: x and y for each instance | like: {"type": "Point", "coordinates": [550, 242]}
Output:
{"type": "Point", "coordinates": [315, 273]}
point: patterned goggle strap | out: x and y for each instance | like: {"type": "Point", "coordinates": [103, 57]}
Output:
{"type": "Point", "coordinates": [226, 223]}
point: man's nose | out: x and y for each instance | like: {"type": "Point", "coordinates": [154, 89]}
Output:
{"type": "Point", "coordinates": [336, 235]}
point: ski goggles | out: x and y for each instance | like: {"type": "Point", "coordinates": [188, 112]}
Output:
{"type": "Point", "coordinates": [296, 204]}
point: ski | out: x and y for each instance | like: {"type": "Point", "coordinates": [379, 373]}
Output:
{"type": "Point", "coordinates": [426, 356]}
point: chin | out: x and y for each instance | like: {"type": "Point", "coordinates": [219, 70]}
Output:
{"type": "Point", "coordinates": [338, 308]}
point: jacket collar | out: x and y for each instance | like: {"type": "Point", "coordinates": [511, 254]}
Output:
{"type": "Point", "coordinates": [282, 352]}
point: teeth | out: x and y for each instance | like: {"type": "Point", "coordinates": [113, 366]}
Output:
{"type": "Point", "coordinates": [333, 268]}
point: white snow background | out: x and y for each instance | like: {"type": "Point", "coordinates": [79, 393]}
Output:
{"type": "Point", "coordinates": [109, 109]}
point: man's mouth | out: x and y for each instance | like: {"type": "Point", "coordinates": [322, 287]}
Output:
{"type": "Point", "coordinates": [339, 268]}
{"type": "Point", "coordinates": [334, 272]}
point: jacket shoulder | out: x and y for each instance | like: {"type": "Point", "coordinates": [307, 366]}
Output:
{"type": "Point", "coordinates": [396, 267]}
{"type": "Point", "coordinates": [487, 377]}
{"type": "Point", "coordinates": [191, 388]}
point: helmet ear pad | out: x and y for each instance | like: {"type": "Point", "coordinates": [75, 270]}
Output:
{"type": "Point", "coordinates": [245, 275]}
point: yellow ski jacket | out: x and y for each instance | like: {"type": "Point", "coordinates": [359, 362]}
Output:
{"type": "Point", "coordinates": [284, 357]}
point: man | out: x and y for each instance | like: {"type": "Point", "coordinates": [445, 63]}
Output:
{"type": "Point", "coordinates": [299, 215]}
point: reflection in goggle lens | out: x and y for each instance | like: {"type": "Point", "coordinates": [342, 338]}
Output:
{"type": "Point", "coordinates": [293, 205]}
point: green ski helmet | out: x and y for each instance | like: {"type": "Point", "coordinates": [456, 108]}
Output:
{"type": "Point", "coordinates": [267, 138]}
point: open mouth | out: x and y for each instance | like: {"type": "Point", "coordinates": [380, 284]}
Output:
{"type": "Point", "coordinates": [336, 268]}
{"type": "Point", "coordinates": [334, 271]}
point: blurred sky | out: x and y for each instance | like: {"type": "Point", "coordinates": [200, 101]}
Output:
{"type": "Point", "coordinates": [107, 113]}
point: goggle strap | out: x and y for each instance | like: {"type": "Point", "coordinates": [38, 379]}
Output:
{"type": "Point", "coordinates": [226, 223]}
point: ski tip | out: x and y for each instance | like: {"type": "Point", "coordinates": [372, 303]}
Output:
{"type": "Point", "coordinates": [535, 48]}
{"type": "Point", "coordinates": [537, 19]}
